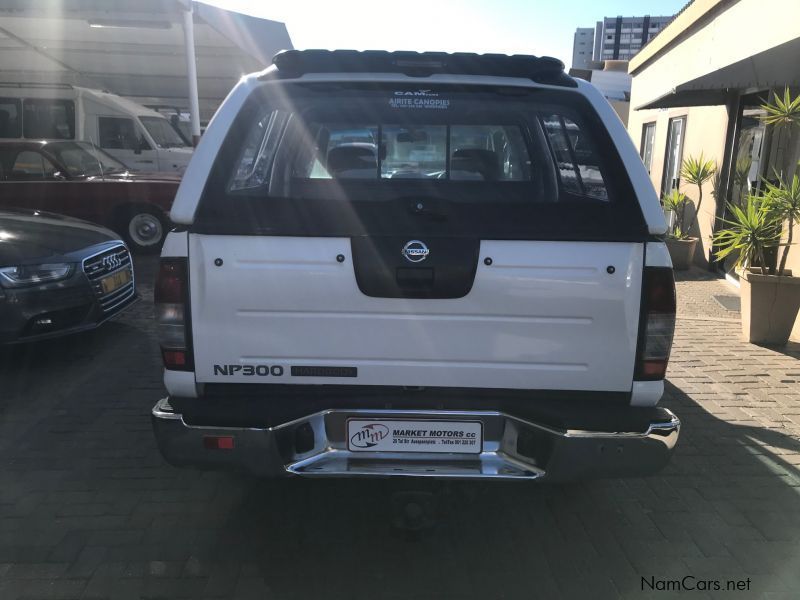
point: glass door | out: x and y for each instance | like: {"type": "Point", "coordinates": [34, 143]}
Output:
{"type": "Point", "coordinates": [747, 168]}
{"type": "Point", "coordinates": [673, 155]}
{"type": "Point", "coordinates": [750, 160]}
{"type": "Point", "coordinates": [648, 141]}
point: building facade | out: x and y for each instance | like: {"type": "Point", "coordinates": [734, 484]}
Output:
{"type": "Point", "coordinates": [612, 79]}
{"type": "Point", "coordinates": [583, 48]}
{"type": "Point", "coordinates": [622, 37]}
{"type": "Point", "coordinates": [614, 38]}
{"type": "Point", "coordinates": [699, 87]}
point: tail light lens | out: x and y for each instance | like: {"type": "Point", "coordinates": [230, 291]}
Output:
{"type": "Point", "coordinates": [171, 298]}
{"type": "Point", "coordinates": [657, 324]}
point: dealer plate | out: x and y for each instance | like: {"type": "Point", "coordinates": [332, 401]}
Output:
{"type": "Point", "coordinates": [386, 435]}
{"type": "Point", "coordinates": [115, 281]}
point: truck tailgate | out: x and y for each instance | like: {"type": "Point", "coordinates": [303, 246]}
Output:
{"type": "Point", "coordinates": [542, 315]}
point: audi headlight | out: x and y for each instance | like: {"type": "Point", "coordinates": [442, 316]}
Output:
{"type": "Point", "coordinates": [32, 274]}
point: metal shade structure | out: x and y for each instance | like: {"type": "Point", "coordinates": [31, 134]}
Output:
{"type": "Point", "coordinates": [134, 49]}
{"type": "Point", "coordinates": [764, 70]}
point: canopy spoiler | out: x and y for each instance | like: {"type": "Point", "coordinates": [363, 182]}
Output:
{"type": "Point", "coordinates": [544, 69]}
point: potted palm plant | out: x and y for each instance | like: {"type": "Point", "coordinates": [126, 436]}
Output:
{"type": "Point", "coordinates": [681, 246]}
{"type": "Point", "coordinates": [770, 293]}
{"type": "Point", "coordinates": [782, 117]}
{"type": "Point", "coordinates": [770, 296]}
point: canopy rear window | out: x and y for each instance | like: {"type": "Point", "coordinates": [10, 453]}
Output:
{"type": "Point", "coordinates": [369, 149]}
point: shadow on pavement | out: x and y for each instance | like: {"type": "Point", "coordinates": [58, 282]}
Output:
{"type": "Point", "coordinates": [727, 507]}
{"type": "Point", "coordinates": [790, 349]}
{"type": "Point", "coordinates": [55, 357]}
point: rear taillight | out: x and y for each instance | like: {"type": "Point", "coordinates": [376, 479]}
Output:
{"type": "Point", "coordinates": [171, 298]}
{"type": "Point", "coordinates": [657, 324]}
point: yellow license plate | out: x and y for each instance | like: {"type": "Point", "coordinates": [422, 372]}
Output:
{"type": "Point", "coordinates": [115, 281]}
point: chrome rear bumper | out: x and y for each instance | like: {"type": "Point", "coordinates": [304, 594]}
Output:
{"type": "Point", "coordinates": [315, 446]}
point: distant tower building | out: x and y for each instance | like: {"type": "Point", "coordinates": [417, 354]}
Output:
{"type": "Point", "coordinates": [597, 50]}
{"type": "Point", "coordinates": [614, 38]}
{"type": "Point", "coordinates": [582, 47]}
{"type": "Point", "coordinates": [620, 38]}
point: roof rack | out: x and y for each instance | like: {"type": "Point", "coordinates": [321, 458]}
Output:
{"type": "Point", "coordinates": [544, 69]}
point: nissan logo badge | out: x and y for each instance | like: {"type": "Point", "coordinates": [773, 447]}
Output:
{"type": "Point", "coordinates": [415, 251]}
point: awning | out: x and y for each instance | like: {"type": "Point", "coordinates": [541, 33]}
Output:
{"type": "Point", "coordinates": [683, 97]}
{"type": "Point", "coordinates": [134, 49]}
{"type": "Point", "coordinates": [776, 67]}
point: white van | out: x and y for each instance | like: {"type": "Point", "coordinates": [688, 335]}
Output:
{"type": "Point", "coordinates": [141, 138]}
{"type": "Point", "coordinates": [180, 120]}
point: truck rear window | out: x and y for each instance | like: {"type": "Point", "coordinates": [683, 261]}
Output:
{"type": "Point", "coordinates": [480, 155]}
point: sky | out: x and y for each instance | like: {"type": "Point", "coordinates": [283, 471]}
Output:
{"type": "Point", "coordinates": [541, 27]}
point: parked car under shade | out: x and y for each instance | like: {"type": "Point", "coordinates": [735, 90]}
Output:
{"type": "Point", "coordinates": [79, 180]}
{"type": "Point", "coordinates": [59, 275]}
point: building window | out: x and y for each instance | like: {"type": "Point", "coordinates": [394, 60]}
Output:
{"type": "Point", "coordinates": [646, 147]}
{"type": "Point", "coordinates": [673, 157]}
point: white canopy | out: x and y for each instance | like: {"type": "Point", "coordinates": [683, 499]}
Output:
{"type": "Point", "coordinates": [134, 49]}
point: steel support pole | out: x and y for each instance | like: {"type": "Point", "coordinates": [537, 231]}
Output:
{"type": "Point", "coordinates": [191, 72]}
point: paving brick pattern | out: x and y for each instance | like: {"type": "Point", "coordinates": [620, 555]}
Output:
{"type": "Point", "coordinates": [89, 510]}
{"type": "Point", "coordinates": [696, 290]}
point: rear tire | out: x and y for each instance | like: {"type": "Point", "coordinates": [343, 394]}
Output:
{"type": "Point", "coordinates": [144, 229]}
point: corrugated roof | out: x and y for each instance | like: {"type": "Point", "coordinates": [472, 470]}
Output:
{"type": "Point", "coordinates": [134, 49]}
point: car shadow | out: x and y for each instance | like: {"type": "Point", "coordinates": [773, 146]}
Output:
{"type": "Point", "coordinates": [68, 359]}
{"type": "Point", "coordinates": [730, 491]}
{"type": "Point", "coordinates": [742, 441]}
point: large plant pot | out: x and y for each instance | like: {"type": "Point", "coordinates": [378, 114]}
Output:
{"type": "Point", "coordinates": [681, 252]}
{"type": "Point", "coordinates": [769, 306]}
{"type": "Point", "coordinates": [770, 259]}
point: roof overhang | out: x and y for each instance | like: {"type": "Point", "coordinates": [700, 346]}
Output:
{"type": "Point", "coordinates": [776, 67]}
{"type": "Point", "coordinates": [134, 49]}
{"type": "Point", "coordinates": [679, 97]}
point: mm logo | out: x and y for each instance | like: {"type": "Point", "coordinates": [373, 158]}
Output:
{"type": "Point", "coordinates": [369, 435]}
{"type": "Point", "coordinates": [249, 370]}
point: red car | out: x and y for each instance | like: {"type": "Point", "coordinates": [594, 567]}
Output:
{"type": "Point", "coordinates": [80, 180]}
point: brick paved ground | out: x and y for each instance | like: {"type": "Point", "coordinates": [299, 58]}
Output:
{"type": "Point", "coordinates": [89, 510]}
{"type": "Point", "coordinates": [696, 290]}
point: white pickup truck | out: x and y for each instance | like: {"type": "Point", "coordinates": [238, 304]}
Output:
{"type": "Point", "coordinates": [416, 264]}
